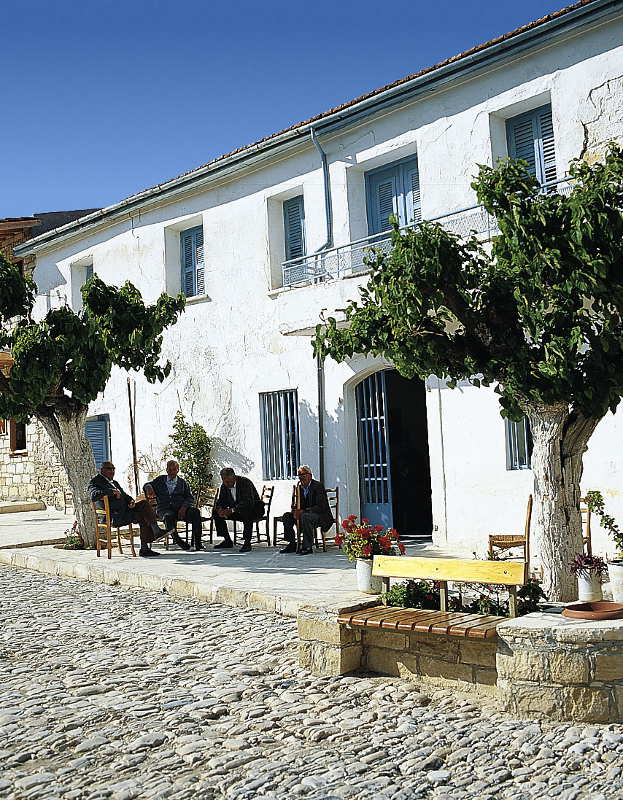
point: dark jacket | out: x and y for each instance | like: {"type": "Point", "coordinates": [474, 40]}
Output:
{"type": "Point", "coordinates": [317, 502]}
{"type": "Point", "coordinates": [99, 486]}
{"type": "Point", "coordinates": [181, 497]}
{"type": "Point", "coordinates": [247, 504]}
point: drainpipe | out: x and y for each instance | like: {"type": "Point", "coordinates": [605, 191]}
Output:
{"type": "Point", "coordinates": [328, 208]}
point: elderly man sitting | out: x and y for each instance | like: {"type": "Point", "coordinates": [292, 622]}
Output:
{"type": "Point", "coordinates": [314, 512]}
{"type": "Point", "coordinates": [123, 509]}
{"type": "Point", "coordinates": [237, 500]}
{"type": "Point", "coordinates": [175, 502]}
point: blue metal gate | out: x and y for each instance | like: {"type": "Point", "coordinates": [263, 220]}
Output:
{"type": "Point", "coordinates": [375, 488]}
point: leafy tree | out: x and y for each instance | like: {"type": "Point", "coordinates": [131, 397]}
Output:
{"type": "Point", "coordinates": [192, 449]}
{"type": "Point", "coordinates": [538, 314]}
{"type": "Point", "coordinates": [63, 361]}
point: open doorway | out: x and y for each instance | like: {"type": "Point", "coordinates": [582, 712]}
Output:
{"type": "Point", "coordinates": [394, 464]}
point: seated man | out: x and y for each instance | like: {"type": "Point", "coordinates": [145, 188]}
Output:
{"type": "Point", "coordinates": [123, 509]}
{"type": "Point", "coordinates": [313, 513]}
{"type": "Point", "coordinates": [238, 500]}
{"type": "Point", "coordinates": [175, 501]}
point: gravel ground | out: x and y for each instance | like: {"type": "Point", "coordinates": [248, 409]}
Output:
{"type": "Point", "coordinates": [112, 693]}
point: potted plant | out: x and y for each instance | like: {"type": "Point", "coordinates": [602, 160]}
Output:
{"type": "Point", "coordinates": [589, 571]}
{"type": "Point", "coordinates": [595, 503]}
{"type": "Point", "coordinates": [361, 541]}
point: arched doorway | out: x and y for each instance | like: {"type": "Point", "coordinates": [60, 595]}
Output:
{"type": "Point", "coordinates": [394, 465]}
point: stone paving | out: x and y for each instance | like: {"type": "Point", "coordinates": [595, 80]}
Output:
{"type": "Point", "coordinates": [107, 692]}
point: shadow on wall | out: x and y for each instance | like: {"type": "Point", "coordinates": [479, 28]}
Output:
{"type": "Point", "coordinates": [224, 456]}
{"type": "Point", "coordinates": [335, 456]}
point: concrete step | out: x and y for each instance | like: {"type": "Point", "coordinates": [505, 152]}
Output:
{"type": "Point", "coordinates": [21, 505]}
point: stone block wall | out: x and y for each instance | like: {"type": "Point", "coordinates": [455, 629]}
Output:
{"type": "Point", "coordinates": [35, 475]}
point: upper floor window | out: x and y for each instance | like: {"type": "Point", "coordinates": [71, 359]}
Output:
{"type": "Point", "coordinates": [518, 444]}
{"type": "Point", "coordinates": [193, 268]}
{"type": "Point", "coordinates": [530, 136]}
{"type": "Point", "coordinates": [294, 227]}
{"type": "Point", "coordinates": [279, 418]}
{"type": "Point", "coordinates": [81, 271]}
{"type": "Point", "coordinates": [393, 191]}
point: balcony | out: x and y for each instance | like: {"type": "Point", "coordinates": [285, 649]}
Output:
{"type": "Point", "coordinates": [348, 259]}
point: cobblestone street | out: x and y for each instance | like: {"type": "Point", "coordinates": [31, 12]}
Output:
{"type": "Point", "coordinates": [107, 692]}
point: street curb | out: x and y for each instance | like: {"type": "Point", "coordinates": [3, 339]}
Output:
{"type": "Point", "coordinates": [40, 543]}
{"type": "Point", "coordinates": [175, 587]}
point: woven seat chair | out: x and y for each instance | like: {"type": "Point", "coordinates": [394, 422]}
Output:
{"type": "Point", "coordinates": [506, 542]}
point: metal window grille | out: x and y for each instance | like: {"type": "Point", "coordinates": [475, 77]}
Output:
{"type": "Point", "coordinates": [518, 444]}
{"type": "Point", "coordinates": [279, 418]}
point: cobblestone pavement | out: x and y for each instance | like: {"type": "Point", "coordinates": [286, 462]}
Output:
{"type": "Point", "coordinates": [112, 693]}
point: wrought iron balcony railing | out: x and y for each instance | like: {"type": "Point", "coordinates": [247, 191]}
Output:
{"type": "Point", "coordinates": [348, 259]}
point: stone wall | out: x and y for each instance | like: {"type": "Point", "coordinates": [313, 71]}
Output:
{"type": "Point", "coordinates": [35, 475]}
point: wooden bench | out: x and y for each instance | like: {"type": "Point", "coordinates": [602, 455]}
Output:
{"type": "Point", "coordinates": [509, 574]}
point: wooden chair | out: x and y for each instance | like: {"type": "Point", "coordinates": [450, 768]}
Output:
{"type": "Point", "coordinates": [68, 500]}
{"type": "Point", "coordinates": [333, 496]}
{"type": "Point", "coordinates": [585, 514]}
{"type": "Point", "coordinates": [504, 542]}
{"type": "Point", "coordinates": [184, 527]}
{"type": "Point", "coordinates": [267, 498]}
{"type": "Point", "coordinates": [103, 530]}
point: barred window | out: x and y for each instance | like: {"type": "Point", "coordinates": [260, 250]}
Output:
{"type": "Point", "coordinates": [279, 419]}
{"type": "Point", "coordinates": [518, 444]}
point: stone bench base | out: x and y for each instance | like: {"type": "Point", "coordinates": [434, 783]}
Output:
{"type": "Point", "coordinates": [541, 665]}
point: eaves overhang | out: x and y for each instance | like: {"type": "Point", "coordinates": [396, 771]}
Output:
{"type": "Point", "coordinates": [473, 62]}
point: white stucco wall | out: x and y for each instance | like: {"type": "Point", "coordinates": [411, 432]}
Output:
{"type": "Point", "coordinates": [231, 345]}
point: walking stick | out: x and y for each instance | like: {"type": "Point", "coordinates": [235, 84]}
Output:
{"type": "Point", "coordinates": [297, 490]}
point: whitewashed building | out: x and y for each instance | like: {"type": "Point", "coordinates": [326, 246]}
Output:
{"type": "Point", "coordinates": [264, 239]}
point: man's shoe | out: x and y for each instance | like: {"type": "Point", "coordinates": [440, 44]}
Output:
{"type": "Point", "coordinates": [199, 547]}
{"type": "Point", "coordinates": [245, 547]}
{"type": "Point", "coordinates": [304, 552]}
{"type": "Point", "coordinates": [291, 548]}
{"type": "Point", "coordinates": [180, 542]}
{"type": "Point", "coordinates": [224, 544]}
{"type": "Point", "coordinates": [145, 552]}
{"type": "Point", "coordinates": [158, 532]}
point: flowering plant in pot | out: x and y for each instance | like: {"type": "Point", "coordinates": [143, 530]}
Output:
{"type": "Point", "coordinates": [595, 503]}
{"type": "Point", "coordinates": [360, 541]}
{"type": "Point", "coordinates": [589, 571]}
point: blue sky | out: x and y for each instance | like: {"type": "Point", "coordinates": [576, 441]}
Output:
{"type": "Point", "coordinates": [102, 99]}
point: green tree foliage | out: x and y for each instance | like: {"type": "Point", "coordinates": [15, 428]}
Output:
{"type": "Point", "coordinates": [538, 314]}
{"type": "Point", "coordinates": [192, 449]}
{"type": "Point", "coordinates": [63, 361]}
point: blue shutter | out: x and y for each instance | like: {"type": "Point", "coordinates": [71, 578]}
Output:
{"type": "Point", "coordinates": [294, 227]}
{"type": "Point", "coordinates": [88, 272]}
{"type": "Point", "coordinates": [531, 137]}
{"type": "Point", "coordinates": [382, 200]}
{"type": "Point", "coordinates": [280, 434]}
{"type": "Point", "coordinates": [97, 432]}
{"type": "Point", "coordinates": [411, 182]}
{"type": "Point", "coordinates": [192, 258]}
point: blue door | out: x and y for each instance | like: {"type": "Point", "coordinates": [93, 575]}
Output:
{"type": "Point", "coordinates": [375, 488]}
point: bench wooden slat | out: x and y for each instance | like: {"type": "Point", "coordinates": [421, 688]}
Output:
{"type": "Point", "coordinates": [444, 626]}
{"type": "Point", "coordinates": [479, 628]}
{"type": "Point", "coordinates": [397, 619]}
{"type": "Point", "coordinates": [505, 573]}
{"type": "Point", "coordinates": [363, 617]}
{"type": "Point", "coordinates": [415, 620]}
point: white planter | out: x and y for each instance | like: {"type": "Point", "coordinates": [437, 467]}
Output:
{"type": "Point", "coordinates": [615, 570]}
{"type": "Point", "coordinates": [366, 581]}
{"type": "Point", "coordinates": [589, 586]}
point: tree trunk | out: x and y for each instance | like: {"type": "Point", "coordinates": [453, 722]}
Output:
{"type": "Point", "coordinates": [65, 426]}
{"type": "Point", "coordinates": [560, 436]}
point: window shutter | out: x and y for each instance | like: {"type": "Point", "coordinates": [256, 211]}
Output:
{"type": "Point", "coordinates": [412, 193]}
{"type": "Point", "coordinates": [531, 137]}
{"type": "Point", "coordinates": [382, 200]}
{"type": "Point", "coordinates": [199, 264]}
{"type": "Point", "coordinates": [97, 433]}
{"type": "Point", "coordinates": [88, 272]}
{"type": "Point", "coordinates": [188, 264]}
{"type": "Point", "coordinates": [294, 227]}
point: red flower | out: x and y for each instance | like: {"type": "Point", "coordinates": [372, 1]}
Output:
{"type": "Point", "coordinates": [339, 539]}
{"type": "Point", "coordinates": [365, 521]}
{"type": "Point", "coordinates": [366, 550]}
{"type": "Point", "coordinates": [401, 547]}
{"type": "Point", "coordinates": [378, 528]}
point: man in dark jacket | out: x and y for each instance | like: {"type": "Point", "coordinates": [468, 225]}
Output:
{"type": "Point", "coordinates": [175, 502]}
{"type": "Point", "coordinates": [314, 512]}
{"type": "Point", "coordinates": [237, 500]}
{"type": "Point", "coordinates": [123, 509]}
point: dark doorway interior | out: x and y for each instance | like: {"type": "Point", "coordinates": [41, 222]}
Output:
{"type": "Point", "coordinates": [409, 458]}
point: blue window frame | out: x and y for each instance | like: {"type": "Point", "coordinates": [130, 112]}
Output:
{"type": "Point", "coordinates": [279, 417]}
{"type": "Point", "coordinates": [518, 444]}
{"type": "Point", "coordinates": [531, 136]}
{"type": "Point", "coordinates": [294, 227]}
{"type": "Point", "coordinates": [193, 267]}
{"type": "Point", "coordinates": [393, 190]}
{"type": "Point", "coordinates": [97, 430]}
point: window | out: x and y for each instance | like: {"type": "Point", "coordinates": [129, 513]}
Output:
{"type": "Point", "coordinates": [531, 136]}
{"type": "Point", "coordinates": [17, 437]}
{"type": "Point", "coordinates": [2, 427]}
{"type": "Point", "coordinates": [193, 267]}
{"type": "Point", "coordinates": [280, 434]}
{"type": "Point", "coordinates": [97, 430]}
{"type": "Point", "coordinates": [393, 191]}
{"type": "Point", "coordinates": [518, 444]}
{"type": "Point", "coordinates": [294, 227]}
{"type": "Point", "coordinates": [81, 271]}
